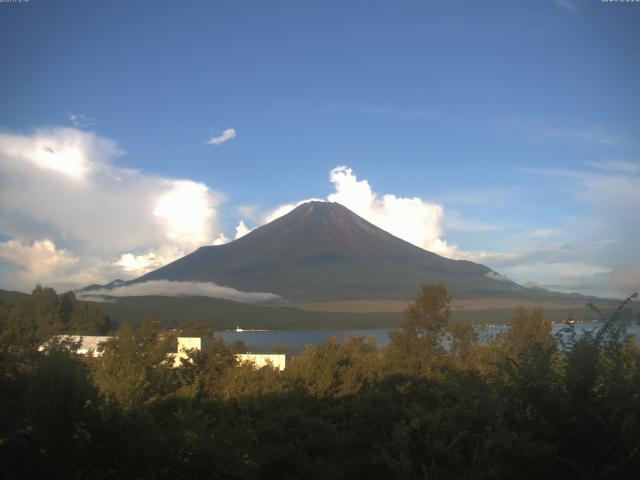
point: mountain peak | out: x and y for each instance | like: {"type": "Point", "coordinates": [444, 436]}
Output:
{"type": "Point", "coordinates": [320, 208]}
{"type": "Point", "coordinates": [324, 251]}
{"type": "Point", "coordinates": [319, 227]}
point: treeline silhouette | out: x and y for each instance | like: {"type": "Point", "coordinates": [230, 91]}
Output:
{"type": "Point", "coordinates": [437, 402]}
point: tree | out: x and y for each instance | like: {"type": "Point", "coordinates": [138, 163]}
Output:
{"type": "Point", "coordinates": [134, 366]}
{"type": "Point", "coordinates": [32, 320]}
{"type": "Point", "coordinates": [334, 370]}
{"type": "Point", "coordinates": [88, 320]}
{"type": "Point", "coordinates": [416, 348]}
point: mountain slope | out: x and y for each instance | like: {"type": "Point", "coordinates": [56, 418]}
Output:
{"type": "Point", "coordinates": [322, 251]}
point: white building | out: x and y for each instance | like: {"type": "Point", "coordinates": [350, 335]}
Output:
{"type": "Point", "coordinates": [259, 360]}
{"type": "Point", "coordinates": [185, 345]}
{"type": "Point", "coordinates": [276, 360]}
{"type": "Point", "coordinates": [87, 344]}
{"type": "Point", "coordinates": [93, 345]}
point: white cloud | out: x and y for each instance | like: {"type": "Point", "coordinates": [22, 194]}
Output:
{"type": "Point", "coordinates": [604, 235]}
{"type": "Point", "coordinates": [225, 136]}
{"type": "Point", "coordinates": [187, 211]}
{"type": "Point", "coordinates": [498, 276]}
{"type": "Point", "coordinates": [571, 276]}
{"type": "Point", "coordinates": [61, 184]}
{"type": "Point", "coordinates": [284, 209]}
{"type": "Point", "coordinates": [39, 258]}
{"type": "Point", "coordinates": [242, 229]}
{"type": "Point", "coordinates": [42, 262]}
{"type": "Point", "coordinates": [409, 218]}
{"type": "Point", "coordinates": [67, 152]}
{"type": "Point", "coordinates": [544, 254]}
{"type": "Point", "coordinates": [610, 196]}
{"type": "Point", "coordinates": [73, 217]}
{"type": "Point", "coordinates": [568, 5]}
{"type": "Point", "coordinates": [423, 223]}
{"type": "Point", "coordinates": [139, 264]}
{"type": "Point", "coordinates": [167, 288]}
{"type": "Point", "coordinates": [80, 120]}
{"type": "Point", "coordinates": [221, 239]}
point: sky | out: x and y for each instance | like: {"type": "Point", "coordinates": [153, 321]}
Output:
{"type": "Point", "coordinates": [503, 132]}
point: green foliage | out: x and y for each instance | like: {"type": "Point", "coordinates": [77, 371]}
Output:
{"type": "Point", "coordinates": [134, 367]}
{"type": "Point", "coordinates": [334, 370]}
{"type": "Point", "coordinates": [33, 319]}
{"type": "Point", "coordinates": [434, 403]}
{"type": "Point", "coordinates": [428, 344]}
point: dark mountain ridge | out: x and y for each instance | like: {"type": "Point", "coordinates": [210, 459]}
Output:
{"type": "Point", "coordinates": [322, 251]}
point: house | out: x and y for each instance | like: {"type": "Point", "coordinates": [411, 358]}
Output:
{"type": "Point", "coordinates": [93, 345]}
{"type": "Point", "coordinates": [276, 360]}
{"type": "Point", "coordinates": [259, 360]}
{"type": "Point", "coordinates": [185, 345]}
{"type": "Point", "coordinates": [87, 344]}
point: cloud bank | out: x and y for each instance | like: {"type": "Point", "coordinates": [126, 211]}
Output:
{"type": "Point", "coordinates": [166, 288]}
{"type": "Point", "coordinates": [62, 196]}
{"type": "Point", "coordinates": [70, 216]}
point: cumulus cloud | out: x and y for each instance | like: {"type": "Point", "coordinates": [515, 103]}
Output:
{"type": "Point", "coordinates": [61, 184]}
{"type": "Point", "coordinates": [186, 210]}
{"type": "Point", "coordinates": [168, 288]}
{"type": "Point", "coordinates": [37, 262]}
{"type": "Point", "coordinates": [70, 153]}
{"type": "Point", "coordinates": [242, 229]}
{"type": "Point", "coordinates": [138, 264]}
{"type": "Point", "coordinates": [27, 264]}
{"type": "Point", "coordinates": [221, 239]}
{"type": "Point", "coordinates": [409, 218]}
{"type": "Point", "coordinates": [225, 136]}
{"type": "Point", "coordinates": [73, 217]}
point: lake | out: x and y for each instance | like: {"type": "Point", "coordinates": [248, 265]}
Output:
{"type": "Point", "coordinates": [295, 340]}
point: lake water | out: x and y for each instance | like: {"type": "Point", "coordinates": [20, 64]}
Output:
{"type": "Point", "coordinates": [295, 340]}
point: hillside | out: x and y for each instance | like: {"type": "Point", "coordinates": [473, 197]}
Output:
{"type": "Point", "coordinates": [322, 252]}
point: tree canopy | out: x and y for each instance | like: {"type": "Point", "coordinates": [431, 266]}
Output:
{"type": "Point", "coordinates": [437, 402]}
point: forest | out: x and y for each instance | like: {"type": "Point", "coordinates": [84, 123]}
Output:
{"type": "Point", "coordinates": [437, 402]}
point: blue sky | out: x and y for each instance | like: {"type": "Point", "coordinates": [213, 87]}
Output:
{"type": "Point", "coordinates": [516, 122]}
